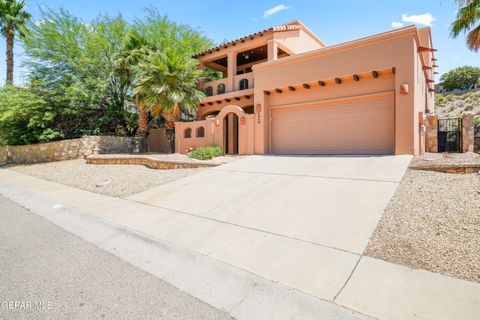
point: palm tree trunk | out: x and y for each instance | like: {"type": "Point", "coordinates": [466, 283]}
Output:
{"type": "Point", "coordinates": [9, 53]}
{"type": "Point", "coordinates": [143, 121]}
{"type": "Point", "coordinates": [170, 118]}
{"type": "Point", "coordinates": [143, 124]}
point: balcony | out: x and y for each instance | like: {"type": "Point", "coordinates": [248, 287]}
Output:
{"type": "Point", "coordinates": [225, 85]}
{"type": "Point", "coordinates": [243, 81]}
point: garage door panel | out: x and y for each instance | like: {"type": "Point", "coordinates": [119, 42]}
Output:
{"type": "Point", "coordinates": [362, 125]}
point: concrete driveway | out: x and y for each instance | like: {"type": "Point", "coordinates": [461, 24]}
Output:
{"type": "Point", "coordinates": [300, 222]}
{"type": "Point", "coordinates": [332, 201]}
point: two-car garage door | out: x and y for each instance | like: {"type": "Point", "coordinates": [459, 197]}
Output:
{"type": "Point", "coordinates": [358, 125]}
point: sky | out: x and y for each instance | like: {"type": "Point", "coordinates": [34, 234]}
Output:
{"type": "Point", "coordinates": [332, 21]}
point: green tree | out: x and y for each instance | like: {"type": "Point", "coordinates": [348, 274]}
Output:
{"type": "Point", "coordinates": [71, 64]}
{"type": "Point", "coordinates": [468, 21]}
{"type": "Point", "coordinates": [148, 38]}
{"type": "Point", "coordinates": [13, 18]}
{"type": "Point", "coordinates": [25, 118]}
{"type": "Point", "coordinates": [462, 78]}
{"type": "Point", "coordinates": [167, 84]}
{"type": "Point", "coordinates": [86, 69]}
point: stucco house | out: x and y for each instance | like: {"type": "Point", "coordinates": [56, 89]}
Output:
{"type": "Point", "coordinates": [284, 91]}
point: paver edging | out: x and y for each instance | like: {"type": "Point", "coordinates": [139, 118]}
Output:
{"type": "Point", "coordinates": [149, 162]}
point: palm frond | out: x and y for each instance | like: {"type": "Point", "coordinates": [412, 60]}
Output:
{"type": "Point", "coordinates": [468, 17]}
{"type": "Point", "coordinates": [473, 39]}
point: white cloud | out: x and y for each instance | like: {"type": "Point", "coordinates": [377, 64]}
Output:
{"type": "Point", "coordinates": [425, 19]}
{"type": "Point", "coordinates": [397, 25]}
{"type": "Point", "coordinates": [270, 12]}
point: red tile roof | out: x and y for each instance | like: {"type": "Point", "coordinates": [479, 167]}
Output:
{"type": "Point", "coordinates": [283, 27]}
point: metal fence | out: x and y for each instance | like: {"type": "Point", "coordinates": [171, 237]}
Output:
{"type": "Point", "coordinates": [450, 135]}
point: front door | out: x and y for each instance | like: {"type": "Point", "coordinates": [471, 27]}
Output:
{"type": "Point", "coordinates": [230, 133]}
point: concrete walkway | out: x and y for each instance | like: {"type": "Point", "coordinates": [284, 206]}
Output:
{"type": "Point", "coordinates": [327, 267]}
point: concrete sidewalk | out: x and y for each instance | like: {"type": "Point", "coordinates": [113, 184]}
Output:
{"type": "Point", "coordinates": [336, 283]}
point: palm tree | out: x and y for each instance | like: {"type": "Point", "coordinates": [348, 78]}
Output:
{"type": "Point", "coordinates": [468, 21]}
{"type": "Point", "coordinates": [13, 19]}
{"type": "Point", "coordinates": [135, 48]}
{"type": "Point", "coordinates": [167, 84]}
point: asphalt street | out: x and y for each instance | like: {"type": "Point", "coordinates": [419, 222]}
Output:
{"type": "Point", "coordinates": [49, 273]}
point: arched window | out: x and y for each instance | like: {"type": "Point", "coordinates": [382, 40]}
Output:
{"type": "Point", "coordinates": [243, 84]}
{"type": "Point", "coordinates": [209, 91]}
{"type": "Point", "coordinates": [220, 88]}
{"type": "Point", "coordinates": [200, 132]}
{"type": "Point", "coordinates": [187, 133]}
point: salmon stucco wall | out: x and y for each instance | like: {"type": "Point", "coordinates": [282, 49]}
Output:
{"type": "Point", "coordinates": [296, 41]}
{"type": "Point", "coordinates": [383, 52]}
{"type": "Point", "coordinates": [214, 128]}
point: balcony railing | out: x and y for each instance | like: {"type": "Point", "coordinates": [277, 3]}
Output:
{"type": "Point", "coordinates": [241, 82]}
{"type": "Point", "coordinates": [214, 88]}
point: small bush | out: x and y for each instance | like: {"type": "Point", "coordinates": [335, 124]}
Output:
{"type": "Point", "coordinates": [206, 153]}
{"type": "Point", "coordinates": [440, 100]}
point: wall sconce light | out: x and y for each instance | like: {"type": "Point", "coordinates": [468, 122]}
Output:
{"type": "Point", "coordinates": [258, 108]}
{"type": "Point", "coordinates": [404, 89]}
{"type": "Point", "coordinates": [217, 122]}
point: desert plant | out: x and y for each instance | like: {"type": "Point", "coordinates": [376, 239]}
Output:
{"type": "Point", "coordinates": [167, 85]}
{"type": "Point", "coordinates": [206, 153]}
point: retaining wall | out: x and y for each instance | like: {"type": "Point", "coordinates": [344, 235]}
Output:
{"type": "Point", "coordinates": [68, 149]}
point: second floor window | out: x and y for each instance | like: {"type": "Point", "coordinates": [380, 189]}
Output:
{"type": "Point", "coordinates": [243, 84]}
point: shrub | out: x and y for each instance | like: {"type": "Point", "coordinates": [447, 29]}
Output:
{"type": "Point", "coordinates": [25, 118]}
{"type": "Point", "coordinates": [206, 153]}
{"type": "Point", "coordinates": [440, 100]}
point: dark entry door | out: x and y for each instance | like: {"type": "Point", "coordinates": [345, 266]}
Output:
{"type": "Point", "coordinates": [450, 135]}
{"type": "Point", "coordinates": [230, 133]}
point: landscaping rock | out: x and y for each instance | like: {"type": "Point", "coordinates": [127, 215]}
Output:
{"type": "Point", "coordinates": [432, 223]}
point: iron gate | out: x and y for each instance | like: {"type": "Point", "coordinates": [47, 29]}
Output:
{"type": "Point", "coordinates": [450, 135]}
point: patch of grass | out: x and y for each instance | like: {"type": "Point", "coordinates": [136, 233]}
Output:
{"type": "Point", "coordinates": [206, 153]}
{"type": "Point", "coordinates": [450, 97]}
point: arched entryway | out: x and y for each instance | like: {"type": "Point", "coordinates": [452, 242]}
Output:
{"type": "Point", "coordinates": [233, 130]}
{"type": "Point", "coordinates": [230, 133]}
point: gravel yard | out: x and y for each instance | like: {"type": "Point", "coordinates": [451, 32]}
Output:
{"type": "Point", "coordinates": [432, 223]}
{"type": "Point", "coordinates": [433, 159]}
{"type": "Point", "coordinates": [125, 179]}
